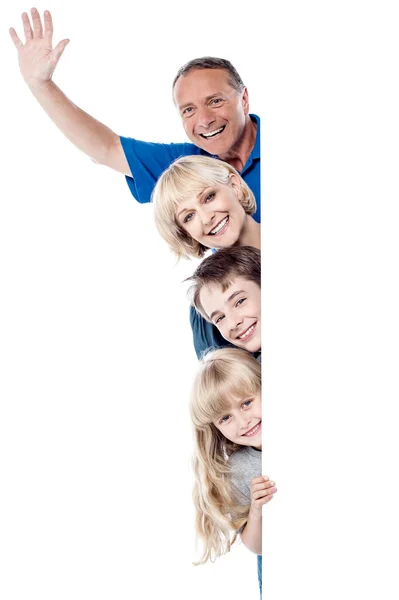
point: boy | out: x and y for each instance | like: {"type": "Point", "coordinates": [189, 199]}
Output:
{"type": "Point", "coordinates": [226, 291]}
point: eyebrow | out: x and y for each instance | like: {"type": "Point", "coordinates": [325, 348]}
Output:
{"type": "Point", "coordinates": [182, 211]}
{"type": "Point", "coordinates": [183, 106]}
{"type": "Point", "coordinates": [229, 299]}
{"type": "Point", "coordinates": [199, 196]}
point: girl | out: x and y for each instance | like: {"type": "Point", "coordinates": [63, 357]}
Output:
{"type": "Point", "coordinates": [229, 490]}
{"type": "Point", "coordinates": [203, 203]}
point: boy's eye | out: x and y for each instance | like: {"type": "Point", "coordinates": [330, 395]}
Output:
{"type": "Point", "coordinates": [218, 319]}
{"type": "Point", "coordinates": [188, 217]}
{"type": "Point", "coordinates": [240, 301]}
{"type": "Point", "coordinates": [247, 403]}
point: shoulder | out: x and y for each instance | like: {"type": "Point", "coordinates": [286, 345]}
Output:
{"type": "Point", "coordinates": [171, 151]}
{"type": "Point", "coordinates": [244, 458]}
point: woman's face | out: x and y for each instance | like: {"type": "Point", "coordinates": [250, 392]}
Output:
{"type": "Point", "coordinates": [215, 217]}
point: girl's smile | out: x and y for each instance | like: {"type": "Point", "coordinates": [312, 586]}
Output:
{"type": "Point", "coordinates": [242, 422]}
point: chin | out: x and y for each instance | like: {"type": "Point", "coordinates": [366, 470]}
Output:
{"type": "Point", "coordinates": [252, 347]}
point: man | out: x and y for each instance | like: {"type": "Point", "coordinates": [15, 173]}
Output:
{"type": "Point", "coordinates": [208, 93]}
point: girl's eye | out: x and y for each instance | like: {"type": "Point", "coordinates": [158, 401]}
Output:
{"type": "Point", "coordinates": [188, 217]}
{"type": "Point", "coordinates": [224, 419]}
{"type": "Point", "coordinates": [247, 403]}
{"type": "Point", "coordinates": [210, 197]}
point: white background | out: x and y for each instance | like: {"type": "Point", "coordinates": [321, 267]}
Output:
{"type": "Point", "coordinates": [96, 351]}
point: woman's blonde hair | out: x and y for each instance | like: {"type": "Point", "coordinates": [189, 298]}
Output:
{"type": "Point", "coordinates": [223, 375]}
{"type": "Point", "coordinates": [187, 177]}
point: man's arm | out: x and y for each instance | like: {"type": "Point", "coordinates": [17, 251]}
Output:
{"type": "Point", "coordinates": [37, 61]}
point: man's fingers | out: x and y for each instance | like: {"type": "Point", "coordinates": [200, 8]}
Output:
{"type": "Point", "coordinates": [48, 24]}
{"type": "Point", "coordinates": [37, 23]}
{"type": "Point", "coordinates": [27, 28]}
{"type": "Point", "coordinates": [58, 50]}
{"type": "Point", "coordinates": [15, 38]}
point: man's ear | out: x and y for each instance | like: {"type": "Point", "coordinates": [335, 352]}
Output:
{"type": "Point", "coordinates": [245, 101]}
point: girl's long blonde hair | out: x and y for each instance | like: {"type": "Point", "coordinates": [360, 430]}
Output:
{"type": "Point", "coordinates": [223, 375]}
{"type": "Point", "coordinates": [184, 178]}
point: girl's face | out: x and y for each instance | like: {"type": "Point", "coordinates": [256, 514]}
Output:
{"type": "Point", "coordinates": [242, 423]}
{"type": "Point", "coordinates": [215, 217]}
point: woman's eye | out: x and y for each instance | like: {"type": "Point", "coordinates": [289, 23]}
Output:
{"type": "Point", "coordinates": [210, 197]}
{"type": "Point", "coordinates": [188, 217]}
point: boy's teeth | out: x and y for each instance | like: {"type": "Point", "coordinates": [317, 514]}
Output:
{"type": "Point", "coordinates": [211, 133]}
{"type": "Point", "coordinates": [247, 332]}
{"type": "Point", "coordinates": [219, 227]}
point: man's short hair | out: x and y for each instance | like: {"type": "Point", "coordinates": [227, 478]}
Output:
{"type": "Point", "coordinates": [211, 62]}
{"type": "Point", "coordinates": [221, 268]}
{"type": "Point", "coordinates": [188, 176]}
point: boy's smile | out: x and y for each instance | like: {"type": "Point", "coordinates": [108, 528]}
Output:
{"type": "Point", "coordinates": [236, 312]}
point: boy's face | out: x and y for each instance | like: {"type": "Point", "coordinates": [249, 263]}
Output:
{"type": "Point", "coordinates": [235, 312]}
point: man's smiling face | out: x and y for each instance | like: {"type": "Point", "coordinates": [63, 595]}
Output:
{"type": "Point", "coordinates": [235, 312]}
{"type": "Point", "coordinates": [212, 111]}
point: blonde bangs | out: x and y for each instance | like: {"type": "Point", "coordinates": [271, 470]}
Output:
{"type": "Point", "coordinates": [225, 375]}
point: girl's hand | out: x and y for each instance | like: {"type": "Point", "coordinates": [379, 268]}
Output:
{"type": "Point", "coordinates": [262, 491]}
{"type": "Point", "coordinates": [37, 57]}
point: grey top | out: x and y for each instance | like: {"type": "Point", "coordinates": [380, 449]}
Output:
{"type": "Point", "coordinates": [245, 464]}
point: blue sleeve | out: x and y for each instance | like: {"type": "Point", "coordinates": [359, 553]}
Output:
{"type": "Point", "coordinates": [147, 161]}
{"type": "Point", "coordinates": [205, 335]}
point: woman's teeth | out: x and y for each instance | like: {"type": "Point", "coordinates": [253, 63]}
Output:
{"type": "Point", "coordinates": [219, 227]}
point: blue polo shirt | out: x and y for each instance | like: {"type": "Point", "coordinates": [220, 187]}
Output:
{"type": "Point", "coordinates": [147, 161]}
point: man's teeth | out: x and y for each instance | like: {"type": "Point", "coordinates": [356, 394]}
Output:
{"type": "Point", "coordinates": [247, 332]}
{"type": "Point", "coordinates": [253, 430]}
{"type": "Point", "coordinates": [212, 133]}
{"type": "Point", "coordinates": [219, 227]}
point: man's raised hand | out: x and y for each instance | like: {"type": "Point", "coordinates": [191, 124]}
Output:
{"type": "Point", "coordinates": [37, 57]}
